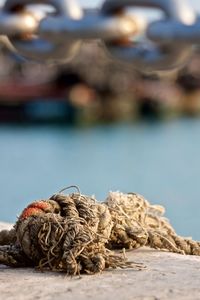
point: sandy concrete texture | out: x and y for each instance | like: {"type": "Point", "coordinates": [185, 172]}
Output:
{"type": "Point", "coordinates": [167, 276]}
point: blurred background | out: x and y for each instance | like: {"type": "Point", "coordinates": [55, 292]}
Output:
{"type": "Point", "coordinates": [101, 126]}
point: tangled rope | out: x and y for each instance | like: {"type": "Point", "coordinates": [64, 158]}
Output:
{"type": "Point", "coordinates": [138, 223]}
{"type": "Point", "coordinates": [74, 233]}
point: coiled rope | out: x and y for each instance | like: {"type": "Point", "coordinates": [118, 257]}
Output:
{"type": "Point", "coordinates": [74, 233]}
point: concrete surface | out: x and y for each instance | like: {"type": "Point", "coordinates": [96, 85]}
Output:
{"type": "Point", "coordinates": [167, 276]}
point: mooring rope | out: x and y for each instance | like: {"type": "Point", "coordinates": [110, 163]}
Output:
{"type": "Point", "coordinates": [74, 233]}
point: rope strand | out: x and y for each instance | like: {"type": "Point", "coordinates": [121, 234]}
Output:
{"type": "Point", "coordinates": [74, 233]}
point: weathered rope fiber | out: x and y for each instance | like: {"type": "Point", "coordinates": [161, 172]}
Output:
{"type": "Point", "coordinates": [74, 233]}
{"type": "Point", "coordinates": [138, 223]}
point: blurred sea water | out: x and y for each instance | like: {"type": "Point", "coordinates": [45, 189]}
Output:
{"type": "Point", "coordinates": [159, 160]}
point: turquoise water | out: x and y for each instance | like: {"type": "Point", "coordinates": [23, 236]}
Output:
{"type": "Point", "coordinates": [159, 160]}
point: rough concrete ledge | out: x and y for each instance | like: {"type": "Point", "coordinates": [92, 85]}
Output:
{"type": "Point", "coordinates": [167, 276]}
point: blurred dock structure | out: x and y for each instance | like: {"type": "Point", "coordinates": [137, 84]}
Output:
{"type": "Point", "coordinates": [93, 88]}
